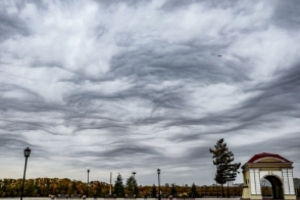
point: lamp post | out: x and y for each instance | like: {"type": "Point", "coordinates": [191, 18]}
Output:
{"type": "Point", "coordinates": [87, 186]}
{"type": "Point", "coordinates": [158, 173]}
{"type": "Point", "coordinates": [27, 152]}
{"type": "Point", "coordinates": [134, 173]}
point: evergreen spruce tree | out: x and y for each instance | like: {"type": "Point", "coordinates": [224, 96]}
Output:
{"type": "Point", "coordinates": [223, 159]}
{"type": "Point", "coordinates": [153, 191]}
{"type": "Point", "coordinates": [98, 189]}
{"type": "Point", "coordinates": [232, 170]}
{"type": "Point", "coordinates": [131, 186]}
{"type": "Point", "coordinates": [194, 191]}
{"type": "Point", "coordinates": [119, 186]}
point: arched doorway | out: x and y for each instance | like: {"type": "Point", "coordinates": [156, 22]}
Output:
{"type": "Point", "coordinates": [276, 187]}
{"type": "Point", "coordinates": [266, 188]}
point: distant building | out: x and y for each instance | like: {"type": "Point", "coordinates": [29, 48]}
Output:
{"type": "Point", "coordinates": [230, 183]}
{"type": "Point", "coordinates": [238, 184]}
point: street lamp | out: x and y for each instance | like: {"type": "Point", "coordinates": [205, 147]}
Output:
{"type": "Point", "coordinates": [87, 186]}
{"type": "Point", "coordinates": [158, 173]}
{"type": "Point", "coordinates": [27, 152]}
{"type": "Point", "coordinates": [134, 173]}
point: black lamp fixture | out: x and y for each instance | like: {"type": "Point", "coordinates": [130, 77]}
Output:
{"type": "Point", "coordinates": [27, 152]}
{"type": "Point", "coordinates": [134, 173]}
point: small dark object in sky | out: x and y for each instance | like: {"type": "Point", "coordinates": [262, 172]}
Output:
{"type": "Point", "coordinates": [219, 55]}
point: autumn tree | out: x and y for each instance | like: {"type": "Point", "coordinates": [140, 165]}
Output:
{"type": "Point", "coordinates": [223, 159]}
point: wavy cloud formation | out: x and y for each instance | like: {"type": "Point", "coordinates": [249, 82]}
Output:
{"type": "Point", "coordinates": [128, 86]}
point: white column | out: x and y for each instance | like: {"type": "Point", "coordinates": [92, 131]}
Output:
{"type": "Point", "coordinates": [288, 181]}
{"type": "Point", "coordinates": [255, 181]}
{"type": "Point", "coordinates": [291, 181]}
{"type": "Point", "coordinates": [285, 181]}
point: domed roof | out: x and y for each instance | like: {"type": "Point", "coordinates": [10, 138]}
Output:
{"type": "Point", "coordinates": [260, 156]}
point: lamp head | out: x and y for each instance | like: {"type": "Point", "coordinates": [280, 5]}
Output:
{"type": "Point", "coordinates": [27, 152]}
{"type": "Point", "coordinates": [158, 171]}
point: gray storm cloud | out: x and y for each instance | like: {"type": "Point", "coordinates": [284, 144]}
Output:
{"type": "Point", "coordinates": [139, 85]}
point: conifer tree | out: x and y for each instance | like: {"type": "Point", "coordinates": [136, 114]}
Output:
{"type": "Point", "coordinates": [194, 190]}
{"type": "Point", "coordinates": [131, 186]}
{"type": "Point", "coordinates": [173, 191]}
{"type": "Point", "coordinates": [119, 186]}
{"type": "Point", "coordinates": [223, 159]}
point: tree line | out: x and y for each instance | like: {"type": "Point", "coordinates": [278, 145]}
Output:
{"type": "Point", "coordinates": [42, 187]}
{"type": "Point", "coordinates": [131, 189]}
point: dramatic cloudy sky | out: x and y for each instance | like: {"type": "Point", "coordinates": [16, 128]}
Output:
{"type": "Point", "coordinates": [136, 85]}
